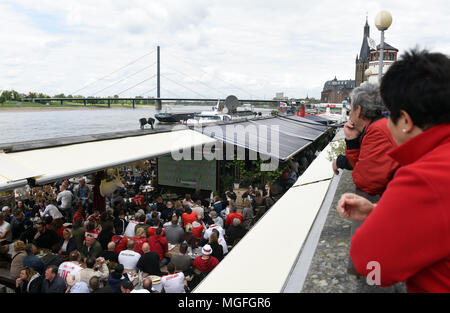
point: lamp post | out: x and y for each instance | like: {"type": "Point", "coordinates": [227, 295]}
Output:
{"type": "Point", "coordinates": [382, 21]}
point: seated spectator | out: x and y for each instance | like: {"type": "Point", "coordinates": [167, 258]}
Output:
{"type": "Point", "coordinates": [247, 214]}
{"type": "Point", "coordinates": [205, 263]}
{"type": "Point", "coordinates": [233, 214]}
{"type": "Point", "coordinates": [27, 236]}
{"type": "Point", "coordinates": [235, 232]}
{"type": "Point", "coordinates": [198, 209]}
{"type": "Point", "coordinates": [167, 211]}
{"type": "Point", "coordinates": [216, 220]}
{"type": "Point", "coordinates": [217, 250]}
{"type": "Point", "coordinates": [79, 214]}
{"type": "Point", "coordinates": [139, 239]}
{"type": "Point", "coordinates": [110, 254]}
{"type": "Point", "coordinates": [159, 244]}
{"type": "Point", "coordinates": [29, 281]}
{"type": "Point", "coordinates": [80, 287]}
{"type": "Point", "coordinates": [146, 286]}
{"type": "Point", "coordinates": [116, 278]}
{"type": "Point", "coordinates": [129, 258]}
{"type": "Point", "coordinates": [106, 234]}
{"type": "Point", "coordinates": [91, 248]}
{"type": "Point", "coordinates": [173, 282]}
{"type": "Point", "coordinates": [181, 260]}
{"type": "Point", "coordinates": [120, 224]}
{"type": "Point", "coordinates": [17, 259]}
{"type": "Point", "coordinates": [52, 282]}
{"type": "Point", "coordinates": [91, 230]}
{"type": "Point", "coordinates": [189, 237]}
{"type": "Point", "coordinates": [149, 261]}
{"type": "Point", "coordinates": [197, 228]}
{"type": "Point", "coordinates": [130, 230]}
{"type": "Point", "coordinates": [188, 216]}
{"type": "Point", "coordinates": [53, 258]}
{"type": "Point", "coordinates": [156, 223]}
{"type": "Point", "coordinates": [67, 243]}
{"type": "Point", "coordinates": [187, 201]}
{"type": "Point", "coordinates": [142, 224]}
{"type": "Point", "coordinates": [94, 267]}
{"type": "Point", "coordinates": [173, 231]}
{"type": "Point", "coordinates": [71, 268]}
{"type": "Point", "coordinates": [45, 238]}
{"type": "Point", "coordinates": [221, 240]}
{"type": "Point", "coordinates": [17, 223]}
{"type": "Point", "coordinates": [120, 242]}
{"type": "Point", "coordinates": [126, 287]}
{"type": "Point", "coordinates": [51, 210]}
{"type": "Point", "coordinates": [138, 200]}
{"type": "Point", "coordinates": [78, 232]}
{"type": "Point", "coordinates": [95, 286]}
{"type": "Point", "coordinates": [217, 205]}
{"type": "Point", "coordinates": [31, 260]}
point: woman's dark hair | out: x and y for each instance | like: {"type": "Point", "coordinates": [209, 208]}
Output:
{"type": "Point", "coordinates": [418, 83]}
{"type": "Point", "coordinates": [108, 226]}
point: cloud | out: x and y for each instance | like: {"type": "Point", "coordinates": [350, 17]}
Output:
{"type": "Point", "coordinates": [246, 48]}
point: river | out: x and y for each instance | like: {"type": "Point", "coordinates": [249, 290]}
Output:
{"type": "Point", "coordinates": [17, 126]}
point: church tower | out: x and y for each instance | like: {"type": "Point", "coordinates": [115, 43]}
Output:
{"type": "Point", "coordinates": [362, 62]}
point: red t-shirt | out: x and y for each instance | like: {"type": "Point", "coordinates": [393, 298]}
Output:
{"type": "Point", "coordinates": [139, 242]}
{"type": "Point", "coordinates": [77, 216]}
{"type": "Point", "coordinates": [121, 243]}
{"type": "Point", "coordinates": [189, 218]}
{"type": "Point", "coordinates": [232, 216]}
{"type": "Point", "coordinates": [197, 230]}
{"type": "Point", "coordinates": [138, 200]}
{"type": "Point", "coordinates": [152, 231]}
{"type": "Point", "coordinates": [205, 265]}
{"type": "Point", "coordinates": [159, 245]}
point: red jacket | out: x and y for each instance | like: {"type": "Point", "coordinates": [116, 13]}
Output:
{"type": "Point", "coordinates": [408, 232]}
{"type": "Point", "coordinates": [121, 243]}
{"type": "Point", "coordinates": [189, 218]}
{"type": "Point", "coordinates": [372, 167]}
{"type": "Point", "coordinates": [232, 216]}
{"type": "Point", "coordinates": [159, 245]}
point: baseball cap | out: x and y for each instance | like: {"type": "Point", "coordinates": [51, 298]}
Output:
{"type": "Point", "coordinates": [5, 208]}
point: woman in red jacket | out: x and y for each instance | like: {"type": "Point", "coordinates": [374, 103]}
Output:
{"type": "Point", "coordinates": [367, 142]}
{"type": "Point", "coordinates": [405, 237]}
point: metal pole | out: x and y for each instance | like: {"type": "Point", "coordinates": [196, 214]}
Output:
{"type": "Point", "coordinates": [380, 66]}
{"type": "Point", "coordinates": [158, 94]}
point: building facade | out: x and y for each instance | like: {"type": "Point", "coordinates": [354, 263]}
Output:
{"type": "Point", "coordinates": [389, 57]}
{"type": "Point", "coordinates": [336, 91]}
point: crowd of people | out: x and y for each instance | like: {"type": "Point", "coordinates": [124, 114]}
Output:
{"type": "Point", "coordinates": [62, 243]}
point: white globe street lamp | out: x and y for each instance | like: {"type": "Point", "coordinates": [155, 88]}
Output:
{"type": "Point", "coordinates": [367, 74]}
{"type": "Point", "coordinates": [382, 21]}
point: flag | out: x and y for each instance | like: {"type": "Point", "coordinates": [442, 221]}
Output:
{"type": "Point", "coordinates": [282, 104]}
{"type": "Point", "coordinates": [372, 43]}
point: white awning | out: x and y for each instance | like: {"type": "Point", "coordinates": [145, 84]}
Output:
{"type": "Point", "coordinates": [50, 164]}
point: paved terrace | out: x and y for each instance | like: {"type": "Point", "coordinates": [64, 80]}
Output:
{"type": "Point", "coordinates": [328, 269]}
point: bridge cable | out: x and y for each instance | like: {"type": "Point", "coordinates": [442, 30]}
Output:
{"type": "Point", "coordinates": [145, 80]}
{"type": "Point", "coordinates": [115, 71]}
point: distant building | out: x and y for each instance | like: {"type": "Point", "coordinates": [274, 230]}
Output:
{"type": "Point", "coordinates": [390, 56]}
{"type": "Point", "coordinates": [336, 91]}
{"type": "Point", "coordinates": [280, 96]}
{"type": "Point", "coordinates": [362, 61]}
{"type": "Point", "coordinates": [368, 59]}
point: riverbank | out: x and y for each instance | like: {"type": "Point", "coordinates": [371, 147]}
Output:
{"type": "Point", "coordinates": [40, 108]}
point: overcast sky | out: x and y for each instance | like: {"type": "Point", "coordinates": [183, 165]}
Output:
{"type": "Point", "coordinates": [209, 48]}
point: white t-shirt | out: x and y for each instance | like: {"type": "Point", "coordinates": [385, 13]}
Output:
{"type": "Point", "coordinates": [209, 231]}
{"type": "Point", "coordinates": [6, 227]}
{"type": "Point", "coordinates": [223, 243]}
{"type": "Point", "coordinates": [129, 259]}
{"type": "Point", "coordinates": [52, 211]}
{"type": "Point", "coordinates": [66, 199]}
{"type": "Point", "coordinates": [139, 291]}
{"type": "Point", "coordinates": [69, 268]}
{"type": "Point", "coordinates": [129, 231]}
{"type": "Point", "coordinates": [173, 283]}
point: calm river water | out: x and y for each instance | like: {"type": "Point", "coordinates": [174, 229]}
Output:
{"type": "Point", "coordinates": [22, 126]}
